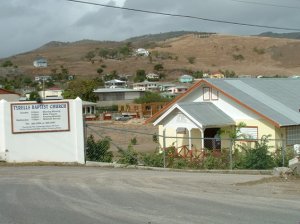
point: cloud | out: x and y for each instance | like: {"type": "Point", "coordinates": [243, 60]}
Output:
{"type": "Point", "coordinates": [28, 24]}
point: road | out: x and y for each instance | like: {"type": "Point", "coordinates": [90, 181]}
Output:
{"type": "Point", "coordinates": [88, 195]}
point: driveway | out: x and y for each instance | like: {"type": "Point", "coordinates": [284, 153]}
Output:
{"type": "Point", "coordinates": [89, 195]}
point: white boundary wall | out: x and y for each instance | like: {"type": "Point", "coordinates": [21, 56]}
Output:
{"type": "Point", "coordinates": [61, 146]}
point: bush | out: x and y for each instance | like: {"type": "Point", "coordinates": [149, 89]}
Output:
{"type": "Point", "coordinates": [133, 141]}
{"type": "Point", "coordinates": [238, 57]}
{"type": "Point", "coordinates": [191, 60]}
{"type": "Point", "coordinates": [155, 159]}
{"type": "Point", "coordinates": [98, 150]}
{"type": "Point", "coordinates": [258, 157]}
{"type": "Point", "coordinates": [277, 156]}
{"type": "Point", "coordinates": [259, 50]}
{"type": "Point", "coordinates": [128, 156]}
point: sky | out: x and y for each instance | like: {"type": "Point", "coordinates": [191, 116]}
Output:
{"type": "Point", "coordinates": [29, 24]}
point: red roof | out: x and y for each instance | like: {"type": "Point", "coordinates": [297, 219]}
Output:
{"type": "Point", "coordinates": [4, 91]}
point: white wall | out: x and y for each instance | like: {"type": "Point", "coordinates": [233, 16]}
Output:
{"type": "Point", "coordinates": [64, 146]}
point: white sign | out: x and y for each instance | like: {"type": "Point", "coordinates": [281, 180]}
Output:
{"type": "Point", "coordinates": [40, 117]}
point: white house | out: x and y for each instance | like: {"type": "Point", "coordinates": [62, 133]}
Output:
{"type": "Point", "coordinates": [42, 78]}
{"type": "Point", "coordinates": [115, 83]}
{"type": "Point", "coordinates": [51, 93]}
{"type": "Point", "coordinates": [177, 89]}
{"type": "Point", "coordinates": [40, 63]}
{"type": "Point", "coordinates": [212, 106]}
{"type": "Point", "coordinates": [152, 76]}
{"type": "Point", "coordinates": [142, 52]}
{"type": "Point", "coordinates": [146, 86]}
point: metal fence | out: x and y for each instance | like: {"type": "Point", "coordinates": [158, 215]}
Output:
{"type": "Point", "coordinates": [192, 149]}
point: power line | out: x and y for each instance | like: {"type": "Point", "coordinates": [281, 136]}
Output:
{"type": "Point", "coordinates": [266, 4]}
{"type": "Point", "coordinates": [185, 16]}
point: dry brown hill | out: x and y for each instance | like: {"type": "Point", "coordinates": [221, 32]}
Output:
{"type": "Point", "coordinates": [244, 55]}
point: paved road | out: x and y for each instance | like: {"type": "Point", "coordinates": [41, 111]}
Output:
{"type": "Point", "coordinates": [60, 195]}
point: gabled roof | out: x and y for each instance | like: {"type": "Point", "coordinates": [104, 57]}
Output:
{"type": "Point", "coordinates": [202, 113]}
{"type": "Point", "coordinates": [276, 100]}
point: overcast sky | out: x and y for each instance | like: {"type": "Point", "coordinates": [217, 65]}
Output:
{"type": "Point", "coordinates": [28, 24]}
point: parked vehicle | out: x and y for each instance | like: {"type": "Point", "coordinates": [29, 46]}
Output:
{"type": "Point", "coordinates": [124, 117]}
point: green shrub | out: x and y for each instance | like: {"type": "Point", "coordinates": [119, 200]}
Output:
{"type": "Point", "coordinates": [133, 141]}
{"type": "Point", "coordinates": [191, 60]}
{"type": "Point", "coordinates": [128, 156]}
{"type": "Point", "coordinates": [180, 163]}
{"type": "Point", "coordinates": [238, 57]}
{"type": "Point", "coordinates": [258, 157]}
{"type": "Point", "coordinates": [277, 156]}
{"type": "Point", "coordinates": [98, 150]}
{"type": "Point", "coordinates": [259, 50]}
{"type": "Point", "coordinates": [155, 159]}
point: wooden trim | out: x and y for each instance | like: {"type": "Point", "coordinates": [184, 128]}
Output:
{"type": "Point", "coordinates": [217, 94]}
{"type": "Point", "coordinates": [204, 89]}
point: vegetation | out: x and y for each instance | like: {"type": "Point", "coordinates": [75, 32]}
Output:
{"type": "Point", "coordinates": [191, 60]}
{"type": "Point", "coordinates": [158, 67]}
{"type": "Point", "coordinates": [140, 76]}
{"type": "Point", "coordinates": [128, 156]}
{"type": "Point", "coordinates": [238, 57]}
{"type": "Point", "coordinates": [7, 63]}
{"type": "Point", "coordinates": [259, 50]}
{"type": "Point", "coordinates": [98, 150]}
{"type": "Point", "coordinates": [150, 97]}
{"type": "Point", "coordinates": [83, 89]}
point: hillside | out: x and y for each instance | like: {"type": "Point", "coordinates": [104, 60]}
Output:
{"type": "Point", "coordinates": [244, 55]}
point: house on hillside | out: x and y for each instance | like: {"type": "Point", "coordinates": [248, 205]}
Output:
{"type": "Point", "coordinates": [217, 106]}
{"type": "Point", "coordinates": [115, 96]}
{"type": "Point", "coordinates": [146, 86]}
{"type": "Point", "coordinates": [186, 79]}
{"type": "Point", "coordinates": [142, 52]}
{"type": "Point", "coordinates": [115, 83]}
{"type": "Point", "coordinates": [177, 90]}
{"type": "Point", "coordinates": [40, 62]}
{"type": "Point", "coordinates": [152, 76]}
{"type": "Point", "coordinates": [42, 78]}
{"type": "Point", "coordinates": [51, 93]}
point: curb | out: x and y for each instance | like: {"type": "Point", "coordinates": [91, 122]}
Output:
{"type": "Point", "coordinates": [116, 165]}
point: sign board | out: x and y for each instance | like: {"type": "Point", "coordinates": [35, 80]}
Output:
{"type": "Point", "coordinates": [40, 117]}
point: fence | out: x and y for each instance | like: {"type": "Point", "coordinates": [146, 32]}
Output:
{"type": "Point", "coordinates": [195, 150]}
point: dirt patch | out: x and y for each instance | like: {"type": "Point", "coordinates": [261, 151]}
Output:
{"type": "Point", "coordinates": [122, 134]}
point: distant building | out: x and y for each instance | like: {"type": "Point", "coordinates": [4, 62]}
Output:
{"type": "Point", "coordinates": [115, 96]}
{"type": "Point", "coordinates": [186, 79]}
{"type": "Point", "coordinates": [163, 87]}
{"type": "Point", "coordinates": [141, 110]}
{"type": "Point", "coordinates": [217, 75]}
{"type": "Point", "coordinates": [146, 86]}
{"type": "Point", "coordinates": [51, 93]}
{"type": "Point", "coordinates": [115, 83]}
{"type": "Point", "coordinates": [142, 52]}
{"type": "Point", "coordinates": [42, 78]}
{"type": "Point", "coordinates": [177, 89]}
{"type": "Point", "coordinates": [40, 63]}
{"type": "Point", "coordinates": [152, 76]}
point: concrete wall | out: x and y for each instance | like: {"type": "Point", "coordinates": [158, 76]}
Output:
{"type": "Point", "coordinates": [52, 146]}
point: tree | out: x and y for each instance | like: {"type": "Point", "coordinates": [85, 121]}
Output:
{"type": "Point", "coordinates": [34, 96]}
{"type": "Point", "coordinates": [7, 63]}
{"type": "Point", "coordinates": [99, 71]}
{"type": "Point", "coordinates": [150, 97]}
{"type": "Point", "coordinates": [99, 150]}
{"type": "Point", "coordinates": [81, 88]}
{"type": "Point", "coordinates": [140, 75]}
{"type": "Point", "coordinates": [158, 67]}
